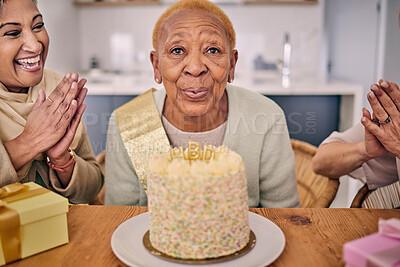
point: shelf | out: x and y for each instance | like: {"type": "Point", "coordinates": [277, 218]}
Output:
{"type": "Point", "coordinates": [280, 2]}
{"type": "Point", "coordinates": [119, 3]}
{"type": "Point", "coordinates": [157, 2]}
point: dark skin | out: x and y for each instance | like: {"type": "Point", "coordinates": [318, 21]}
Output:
{"type": "Point", "coordinates": [194, 61]}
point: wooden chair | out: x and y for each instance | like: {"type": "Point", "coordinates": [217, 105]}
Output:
{"type": "Point", "coordinates": [315, 191]}
{"type": "Point", "coordinates": [101, 159]}
{"type": "Point", "coordinates": [360, 196]}
{"type": "Point", "coordinates": [386, 197]}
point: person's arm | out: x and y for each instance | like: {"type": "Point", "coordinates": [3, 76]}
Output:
{"type": "Point", "coordinates": [45, 125]}
{"type": "Point", "coordinates": [347, 151]}
{"type": "Point", "coordinates": [59, 154]}
{"type": "Point", "coordinates": [336, 159]}
{"type": "Point", "coordinates": [86, 178]}
{"type": "Point", "coordinates": [8, 174]}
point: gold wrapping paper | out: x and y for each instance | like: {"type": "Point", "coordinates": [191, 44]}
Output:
{"type": "Point", "coordinates": [142, 132]}
{"type": "Point", "coordinates": [10, 233]}
{"type": "Point", "coordinates": [9, 218]}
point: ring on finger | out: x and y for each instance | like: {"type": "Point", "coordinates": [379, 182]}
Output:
{"type": "Point", "coordinates": [48, 98]}
{"type": "Point", "coordinates": [59, 111]}
{"type": "Point", "coordinates": [375, 121]}
{"type": "Point", "coordinates": [385, 121]}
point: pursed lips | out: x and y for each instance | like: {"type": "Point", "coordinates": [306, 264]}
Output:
{"type": "Point", "coordinates": [196, 93]}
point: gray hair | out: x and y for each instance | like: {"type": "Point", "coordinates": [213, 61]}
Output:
{"type": "Point", "coordinates": [2, 2]}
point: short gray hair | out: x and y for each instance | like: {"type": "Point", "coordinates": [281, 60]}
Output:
{"type": "Point", "coordinates": [2, 2]}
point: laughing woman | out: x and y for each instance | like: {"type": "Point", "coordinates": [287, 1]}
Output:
{"type": "Point", "coordinates": [41, 136]}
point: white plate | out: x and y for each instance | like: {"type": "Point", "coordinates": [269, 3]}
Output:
{"type": "Point", "coordinates": [127, 245]}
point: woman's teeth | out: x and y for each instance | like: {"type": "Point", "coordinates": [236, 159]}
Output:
{"type": "Point", "coordinates": [29, 63]}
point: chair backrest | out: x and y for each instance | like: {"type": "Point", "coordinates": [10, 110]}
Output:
{"type": "Point", "coordinates": [386, 197]}
{"type": "Point", "coordinates": [315, 191]}
{"type": "Point", "coordinates": [101, 159]}
{"type": "Point", "coordinates": [360, 197]}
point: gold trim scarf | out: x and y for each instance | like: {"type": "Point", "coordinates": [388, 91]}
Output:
{"type": "Point", "coordinates": [142, 132]}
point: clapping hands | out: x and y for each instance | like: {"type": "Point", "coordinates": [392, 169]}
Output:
{"type": "Point", "coordinates": [53, 122]}
{"type": "Point", "coordinates": [382, 129]}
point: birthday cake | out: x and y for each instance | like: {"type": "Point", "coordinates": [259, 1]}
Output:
{"type": "Point", "coordinates": [198, 205]}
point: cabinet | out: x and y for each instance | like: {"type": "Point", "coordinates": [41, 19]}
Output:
{"type": "Point", "coordinates": [310, 118]}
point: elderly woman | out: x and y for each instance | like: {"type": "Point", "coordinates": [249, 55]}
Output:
{"type": "Point", "coordinates": [369, 151]}
{"type": "Point", "coordinates": [194, 58]}
{"type": "Point", "coordinates": [41, 138]}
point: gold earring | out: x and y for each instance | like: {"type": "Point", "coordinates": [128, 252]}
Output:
{"type": "Point", "coordinates": [157, 80]}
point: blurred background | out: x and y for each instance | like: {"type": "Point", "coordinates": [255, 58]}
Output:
{"type": "Point", "coordinates": [315, 58]}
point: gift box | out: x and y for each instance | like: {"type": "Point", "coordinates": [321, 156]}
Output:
{"type": "Point", "coordinates": [379, 249]}
{"type": "Point", "coordinates": [32, 219]}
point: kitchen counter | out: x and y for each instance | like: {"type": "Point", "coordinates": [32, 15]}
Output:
{"type": "Point", "coordinates": [351, 94]}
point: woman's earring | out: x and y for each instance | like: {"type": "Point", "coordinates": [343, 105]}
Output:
{"type": "Point", "coordinates": [157, 80]}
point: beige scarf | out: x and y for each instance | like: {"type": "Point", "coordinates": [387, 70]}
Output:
{"type": "Point", "coordinates": [15, 108]}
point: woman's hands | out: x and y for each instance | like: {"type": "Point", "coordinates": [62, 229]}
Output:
{"type": "Point", "coordinates": [382, 130]}
{"type": "Point", "coordinates": [381, 135]}
{"type": "Point", "coordinates": [51, 125]}
{"type": "Point", "coordinates": [58, 153]}
{"type": "Point", "coordinates": [50, 118]}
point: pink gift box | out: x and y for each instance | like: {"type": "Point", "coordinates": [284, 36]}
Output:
{"type": "Point", "coordinates": [373, 250]}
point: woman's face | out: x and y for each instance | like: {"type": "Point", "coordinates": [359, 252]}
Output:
{"type": "Point", "coordinates": [194, 61]}
{"type": "Point", "coordinates": [23, 45]}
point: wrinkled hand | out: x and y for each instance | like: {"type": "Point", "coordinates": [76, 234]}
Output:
{"type": "Point", "coordinates": [373, 148]}
{"type": "Point", "coordinates": [50, 117]}
{"type": "Point", "coordinates": [385, 103]}
{"type": "Point", "coordinates": [59, 152]}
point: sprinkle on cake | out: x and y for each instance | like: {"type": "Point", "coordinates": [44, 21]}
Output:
{"type": "Point", "coordinates": [198, 205]}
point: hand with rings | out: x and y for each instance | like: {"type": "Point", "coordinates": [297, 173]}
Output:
{"type": "Point", "coordinates": [382, 129]}
{"type": "Point", "coordinates": [53, 122]}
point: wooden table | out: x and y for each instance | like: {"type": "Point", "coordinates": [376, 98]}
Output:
{"type": "Point", "coordinates": [314, 237]}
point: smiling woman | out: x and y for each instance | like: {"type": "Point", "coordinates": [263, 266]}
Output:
{"type": "Point", "coordinates": [42, 139]}
{"type": "Point", "coordinates": [195, 58]}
